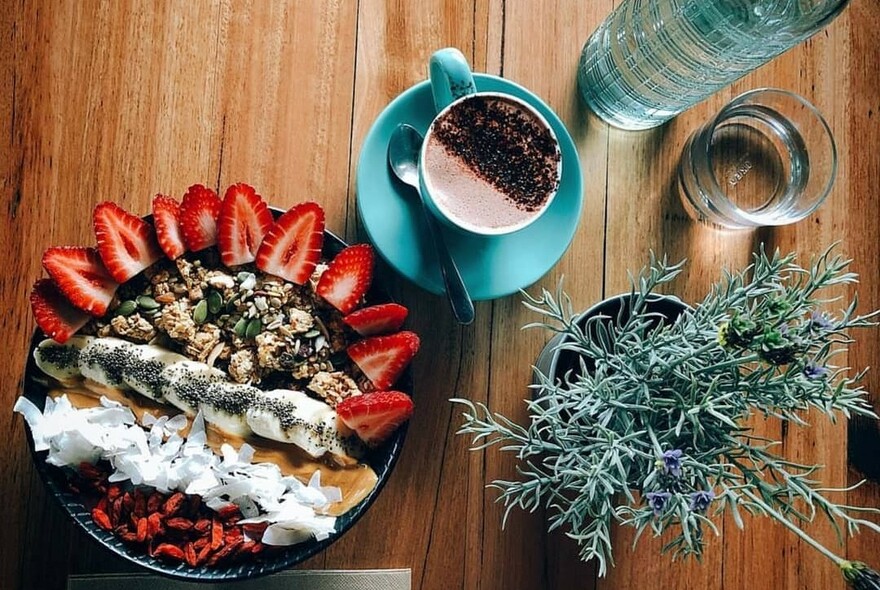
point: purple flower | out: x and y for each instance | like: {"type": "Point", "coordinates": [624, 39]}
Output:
{"type": "Point", "coordinates": [814, 371]}
{"type": "Point", "coordinates": [657, 501]}
{"type": "Point", "coordinates": [672, 462]}
{"type": "Point", "coordinates": [820, 321]}
{"type": "Point", "coordinates": [700, 500]}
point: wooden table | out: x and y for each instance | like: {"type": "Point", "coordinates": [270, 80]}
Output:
{"type": "Point", "coordinates": [122, 99]}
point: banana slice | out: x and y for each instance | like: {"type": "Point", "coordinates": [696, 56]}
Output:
{"type": "Point", "coordinates": [61, 361]}
{"type": "Point", "coordinates": [225, 405]}
{"type": "Point", "coordinates": [184, 383]}
{"type": "Point", "coordinates": [293, 417]}
{"type": "Point", "coordinates": [143, 370]}
{"type": "Point", "coordinates": [103, 360]}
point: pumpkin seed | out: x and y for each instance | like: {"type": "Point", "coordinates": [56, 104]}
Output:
{"type": "Point", "coordinates": [146, 302]}
{"type": "Point", "coordinates": [200, 314]}
{"type": "Point", "coordinates": [233, 301]}
{"type": "Point", "coordinates": [126, 308]}
{"type": "Point", "coordinates": [215, 301]}
{"type": "Point", "coordinates": [312, 333]}
{"type": "Point", "coordinates": [253, 328]}
{"type": "Point", "coordinates": [240, 327]}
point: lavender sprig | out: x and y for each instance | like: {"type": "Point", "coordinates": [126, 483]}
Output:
{"type": "Point", "coordinates": [654, 436]}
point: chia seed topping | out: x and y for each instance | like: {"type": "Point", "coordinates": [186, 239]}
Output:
{"type": "Point", "coordinates": [63, 357]}
{"type": "Point", "coordinates": [504, 145]}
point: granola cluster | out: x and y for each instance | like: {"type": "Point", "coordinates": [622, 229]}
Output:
{"type": "Point", "coordinates": [255, 326]}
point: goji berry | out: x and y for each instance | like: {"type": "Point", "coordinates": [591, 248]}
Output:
{"type": "Point", "coordinates": [101, 519]}
{"type": "Point", "coordinates": [154, 525]}
{"type": "Point", "coordinates": [116, 510]}
{"type": "Point", "coordinates": [169, 551]}
{"type": "Point", "coordinates": [204, 552]}
{"type": "Point", "coordinates": [128, 501]}
{"type": "Point", "coordinates": [142, 530]}
{"type": "Point", "coordinates": [216, 534]}
{"type": "Point", "coordinates": [191, 558]}
{"type": "Point", "coordinates": [179, 523]}
{"type": "Point", "coordinates": [199, 543]}
{"type": "Point", "coordinates": [203, 525]}
{"type": "Point", "coordinates": [140, 503]}
{"type": "Point", "coordinates": [232, 535]}
{"type": "Point", "coordinates": [228, 511]}
{"type": "Point", "coordinates": [255, 530]}
{"type": "Point", "coordinates": [225, 552]}
{"type": "Point", "coordinates": [172, 504]}
{"type": "Point", "coordinates": [103, 504]}
{"type": "Point", "coordinates": [130, 537]}
{"type": "Point", "coordinates": [154, 502]}
{"type": "Point", "coordinates": [257, 548]}
{"type": "Point", "coordinates": [113, 492]}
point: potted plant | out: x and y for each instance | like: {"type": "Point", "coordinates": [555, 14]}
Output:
{"type": "Point", "coordinates": [638, 418]}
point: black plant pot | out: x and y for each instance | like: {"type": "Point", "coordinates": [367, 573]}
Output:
{"type": "Point", "coordinates": [555, 363]}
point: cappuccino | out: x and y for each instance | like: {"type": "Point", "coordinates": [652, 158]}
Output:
{"type": "Point", "coordinates": [492, 163]}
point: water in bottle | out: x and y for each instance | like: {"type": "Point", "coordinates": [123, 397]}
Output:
{"type": "Point", "coordinates": [652, 59]}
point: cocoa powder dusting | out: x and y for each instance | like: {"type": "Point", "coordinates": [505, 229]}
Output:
{"type": "Point", "coordinates": [505, 146]}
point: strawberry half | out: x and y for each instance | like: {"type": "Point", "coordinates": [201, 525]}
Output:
{"type": "Point", "coordinates": [57, 318]}
{"type": "Point", "coordinates": [348, 277]}
{"type": "Point", "coordinates": [127, 243]}
{"type": "Point", "coordinates": [243, 223]}
{"type": "Point", "coordinates": [80, 275]}
{"type": "Point", "coordinates": [383, 358]}
{"type": "Point", "coordinates": [293, 245]}
{"type": "Point", "coordinates": [375, 416]}
{"type": "Point", "coordinates": [198, 217]}
{"type": "Point", "coordinates": [378, 319]}
{"type": "Point", "coordinates": [166, 219]}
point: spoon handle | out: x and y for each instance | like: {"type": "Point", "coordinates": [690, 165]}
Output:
{"type": "Point", "coordinates": [456, 292]}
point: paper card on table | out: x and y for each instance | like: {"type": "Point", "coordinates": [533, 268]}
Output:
{"type": "Point", "coordinates": [399, 579]}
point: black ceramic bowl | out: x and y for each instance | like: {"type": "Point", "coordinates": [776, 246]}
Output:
{"type": "Point", "coordinates": [381, 459]}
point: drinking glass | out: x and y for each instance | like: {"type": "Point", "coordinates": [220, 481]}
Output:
{"type": "Point", "coordinates": [766, 158]}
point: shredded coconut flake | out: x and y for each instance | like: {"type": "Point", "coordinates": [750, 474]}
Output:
{"type": "Point", "coordinates": [161, 458]}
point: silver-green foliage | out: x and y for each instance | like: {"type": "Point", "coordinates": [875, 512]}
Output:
{"type": "Point", "coordinates": [654, 436]}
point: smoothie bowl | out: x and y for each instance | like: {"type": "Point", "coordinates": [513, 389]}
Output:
{"type": "Point", "coordinates": [218, 390]}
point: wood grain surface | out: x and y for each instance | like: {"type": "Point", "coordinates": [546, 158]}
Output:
{"type": "Point", "coordinates": [123, 99]}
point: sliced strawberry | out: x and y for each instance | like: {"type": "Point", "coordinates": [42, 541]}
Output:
{"type": "Point", "coordinates": [244, 220]}
{"type": "Point", "coordinates": [127, 243]}
{"type": "Point", "coordinates": [348, 277]}
{"type": "Point", "coordinates": [80, 275]}
{"type": "Point", "coordinates": [57, 318]}
{"type": "Point", "coordinates": [378, 319]}
{"type": "Point", "coordinates": [198, 217]}
{"type": "Point", "coordinates": [383, 358]}
{"type": "Point", "coordinates": [166, 218]}
{"type": "Point", "coordinates": [293, 245]}
{"type": "Point", "coordinates": [375, 416]}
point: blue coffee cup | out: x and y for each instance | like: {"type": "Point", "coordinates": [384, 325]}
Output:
{"type": "Point", "coordinates": [452, 83]}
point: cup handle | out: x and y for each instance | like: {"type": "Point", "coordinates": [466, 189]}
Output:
{"type": "Point", "coordinates": [451, 77]}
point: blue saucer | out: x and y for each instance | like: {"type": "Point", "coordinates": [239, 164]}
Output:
{"type": "Point", "coordinates": [491, 267]}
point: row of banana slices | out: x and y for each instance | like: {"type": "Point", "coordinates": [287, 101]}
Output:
{"type": "Point", "coordinates": [167, 377]}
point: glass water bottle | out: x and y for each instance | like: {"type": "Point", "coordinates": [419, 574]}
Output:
{"type": "Point", "coordinates": [652, 59]}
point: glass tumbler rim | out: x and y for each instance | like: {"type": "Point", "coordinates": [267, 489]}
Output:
{"type": "Point", "coordinates": [708, 129]}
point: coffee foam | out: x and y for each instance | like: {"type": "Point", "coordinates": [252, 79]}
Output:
{"type": "Point", "coordinates": [491, 162]}
{"type": "Point", "coordinates": [467, 198]}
